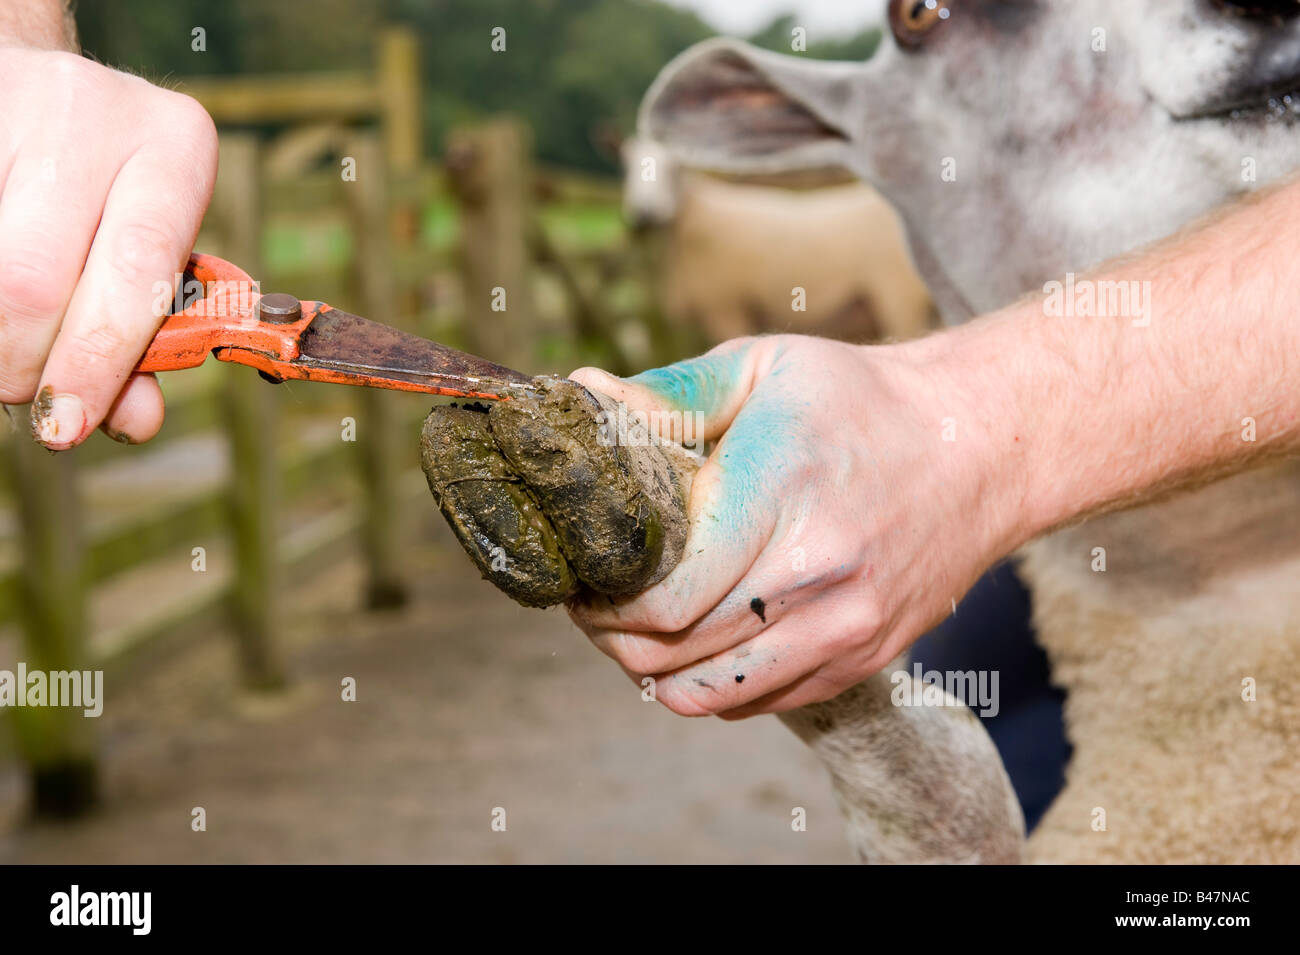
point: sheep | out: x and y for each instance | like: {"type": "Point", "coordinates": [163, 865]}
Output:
{"type": "Point", "coordinates": [1020, 140]}
{"type": "Point", "coordinates": [742, 258]}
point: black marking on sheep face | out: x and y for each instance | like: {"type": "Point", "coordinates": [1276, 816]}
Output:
{"type": "Point", "coordinates": [1224, 60]}
{"type": "Point", "coordinates": [1274, 10]}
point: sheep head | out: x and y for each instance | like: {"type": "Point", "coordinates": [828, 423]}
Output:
{"type": "Point", "coordinates": [1018, 139]}
{"type": "Point", "coordinates": [651, 187]}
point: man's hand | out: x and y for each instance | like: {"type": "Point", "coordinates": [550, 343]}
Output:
{"type": "Point", "coordinates": [856, 492]}
{"type": "Point", "coordinates": [104, 180]}
{"type": "Point", "coordinates": [851, 498]}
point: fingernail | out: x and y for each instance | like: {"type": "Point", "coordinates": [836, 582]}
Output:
{"type": "Point", "coordinates": [57, 420]}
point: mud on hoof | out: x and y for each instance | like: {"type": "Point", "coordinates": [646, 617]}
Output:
{"type": "Point", "coordinates": [546, 500]}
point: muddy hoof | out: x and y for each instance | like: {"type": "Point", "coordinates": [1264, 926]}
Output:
{"type": "Point", "coordinates": [547, 505]}
{"type": "Point", "coordinates": [502, 529]}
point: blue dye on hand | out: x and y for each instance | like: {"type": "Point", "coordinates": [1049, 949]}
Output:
{"type": "Point", "coordinates": [700, 385]}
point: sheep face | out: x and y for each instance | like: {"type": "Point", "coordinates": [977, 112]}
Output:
{"type": "Point", "coordinates": [651, 191]}
{"type": "Point", "coordinates": [1019, 139]}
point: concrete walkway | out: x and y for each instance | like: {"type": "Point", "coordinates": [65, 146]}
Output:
{"type": "Point", "coordinates": [466, 703]}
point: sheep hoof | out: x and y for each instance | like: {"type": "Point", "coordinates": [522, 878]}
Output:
{"type": "Point", "coordinates": [546, 505]}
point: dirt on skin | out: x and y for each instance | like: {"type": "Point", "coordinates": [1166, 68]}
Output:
{"type": "Point", "coordinates": [41, 409]}
{"type": "Point", "coordinates": [548, 501]}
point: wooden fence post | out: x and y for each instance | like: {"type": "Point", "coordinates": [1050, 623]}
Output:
{"type": "Point", "coordinates": [398, 86]}
{"type": "Point", "coordinates": [251, 406]}
{"type": "Point", "coordinates": [490, 177]}
{"type": "Point", "coordinates": [378, 433]}
{"type": "Point", "coordinates": [57, 742]}
{"type": "Point", "coordinates": [399, 92]}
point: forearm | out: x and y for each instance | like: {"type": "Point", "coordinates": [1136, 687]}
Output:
{"type": "Point", "coordinates": [39, 24]}
{"type": "Point", "coordinates": [1087, 413]}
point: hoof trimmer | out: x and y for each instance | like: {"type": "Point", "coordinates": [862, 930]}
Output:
{"type": "Point", "coordinates": [285, 338]}
{"type": "Point", "coordinates": [543, 493]}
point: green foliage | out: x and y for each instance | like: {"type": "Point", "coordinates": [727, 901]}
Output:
{"type": "Point", "coordinates": [153, 38]}
{"type": "Point", "coordinates": [575, 69]}
{"type": "Point", "coordinates": [777, 36]}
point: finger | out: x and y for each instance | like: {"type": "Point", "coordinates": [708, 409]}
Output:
{"type": "Point", "coordinates": [150, 221]}
{"type": "Point", "coordinates": [822, 684]}
{"type": "Point", "coordinates": [48, 213]}
{"type": "Point", "coordinates": [734, 509]}
{"type": "Point", "coordinates": [137, 413]}
{"type": "Point", "coordinates": [709, 568]}
{"type": "Point", "coordinates": [841, 632]}
{"type": "Point", "coordinates": [663, 652]}
{"type": "Point", "coordinates": [738, 617]}
{"type": "Point", "coordinates": [691, 401]}
{"type": "Point", "coordinates": [773, 659]}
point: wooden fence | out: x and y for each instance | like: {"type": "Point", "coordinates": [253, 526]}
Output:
{"type": "Point", "coordinates": [198, 521]}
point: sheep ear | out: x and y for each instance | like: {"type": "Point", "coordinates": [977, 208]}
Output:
{"type": "Point", "coordinates": [727, 106]}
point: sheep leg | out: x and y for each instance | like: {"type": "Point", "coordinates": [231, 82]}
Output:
{"type": "Point", "coordinates": [549, 503]}
{"type": "Point", "coordinates": [916, 784]}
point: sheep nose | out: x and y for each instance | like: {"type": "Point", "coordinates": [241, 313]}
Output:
{"type": "Point", "coordinates": [1260, 8]}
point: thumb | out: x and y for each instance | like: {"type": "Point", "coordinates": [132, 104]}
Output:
{"type": "Point", "coordinates": [689, 402]}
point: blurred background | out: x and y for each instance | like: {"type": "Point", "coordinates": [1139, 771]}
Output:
{"type": "Point", "coordinates": [276, 542]}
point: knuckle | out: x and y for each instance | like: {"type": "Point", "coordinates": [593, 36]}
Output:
{"type": "Point", "coordinates": [862, 619]}
{"type": "Point", "coordinates": [667, 617]}
{"type": "Point", "coordinates": [18, 386]}
{"type": "Point", "coordinates": [78, 91]}
{"type": "Point", "coordinates": [872, 618]}
{"type": "Point", "coordinates": [183, 120]}
{"type": "Point", "coordinates": [606, 641]}
{"type": "Point", "coordinates": [769, 350]}
{"type": "Point", "coordinates": [839, 641]}
{"type": "Point", "coordinates": [684, 702]}
{"type": "Point", "coordinates": [75, 72]}
{"type": "Point", "coordinates": [144, 252]}
{"type": "Point", "coordinates": [641, 654]}
{"type": "Point", "coordinates": [581, 617]}
{"type": "Point", "coordinates": [98, 343]}
{"type": "Point", "coordinates": [29, 287]}
{"type": "Point", "coordinates": [739, 343]}
{"type": "Point", "coordinates": [826, 567]}
{"type": "Point", "coordinates": [195, 125]}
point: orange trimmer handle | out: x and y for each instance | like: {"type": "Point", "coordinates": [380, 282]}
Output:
{"type": "Point", "coordinates": [214, 292]}
{"type": "Point", "coordinates": [182, 341]}
{"type": "Point", "coordinates": [221, 312]}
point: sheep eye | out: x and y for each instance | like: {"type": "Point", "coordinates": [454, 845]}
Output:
{"type": "Point", "coordinates": [911, 20]}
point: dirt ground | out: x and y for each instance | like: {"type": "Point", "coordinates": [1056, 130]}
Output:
{"type": "Point", "coordinates": [466, 703]}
